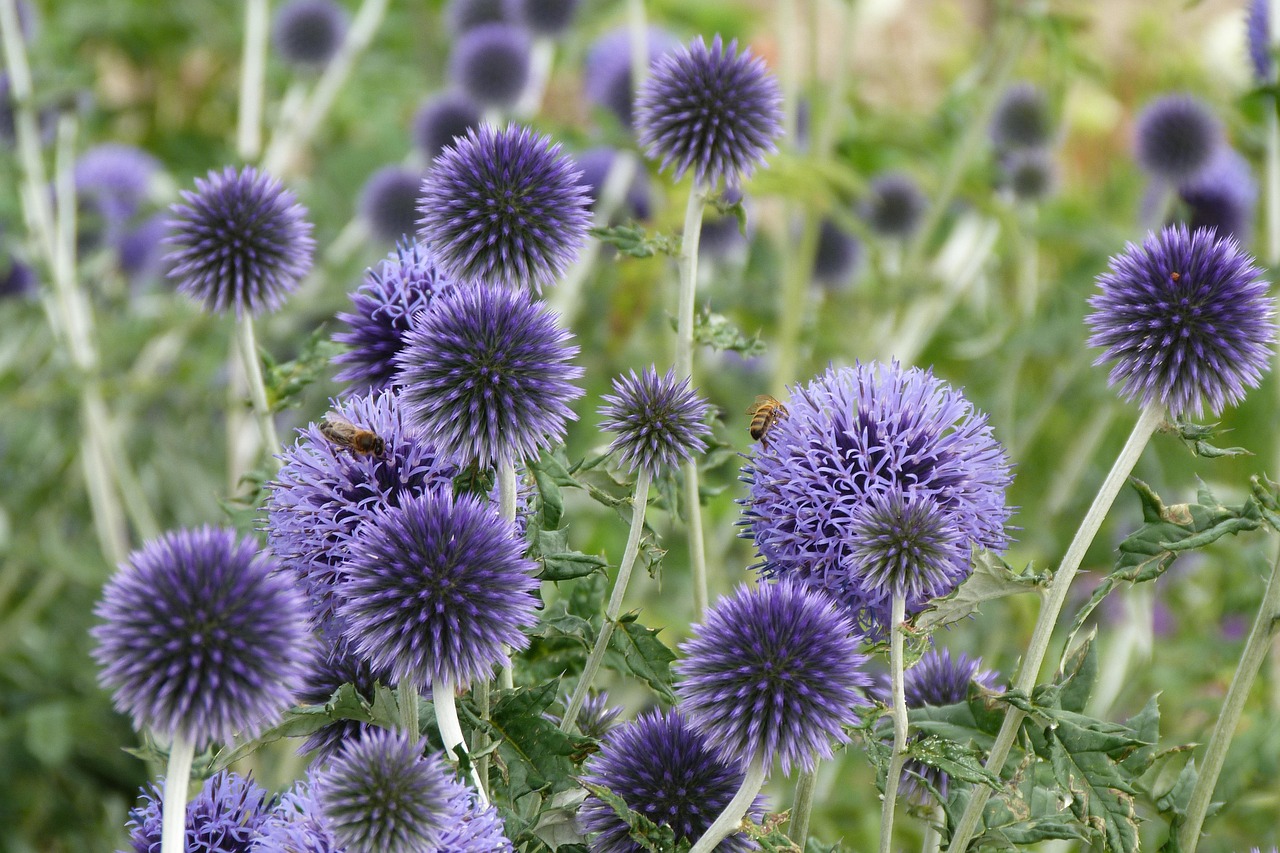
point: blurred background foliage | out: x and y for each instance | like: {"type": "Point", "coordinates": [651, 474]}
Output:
{"type": "Point", "coordinates": [164, 77]}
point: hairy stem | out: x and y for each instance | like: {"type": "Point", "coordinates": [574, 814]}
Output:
{"type": "Point", "coordinates": [173, 819]}
{"type": "Point", "coordinates": [253, 80]}
{"type": "Point", "coordinates": [248, 346]}
{"type": "Point", "coordinates": [898, 758]}
{"type": "Point", "coordinates": [684, 367]}
{"type": "Point", "coordinates": [407, 697]}
{"type": "Point", "coordinates": [451, 731]}
{"type": "Point", "coordinates": [807, 784]}
{"type": "Point", "coordinates": [731, 818]}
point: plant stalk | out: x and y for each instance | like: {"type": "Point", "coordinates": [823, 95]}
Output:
{"type": "Point", "coordinates": [731, 818]}
{"type": "Point", "coordinates": [173, 815]}
{"type": "Point", "coordinates": [898, 709]}
{"type": "Point", "coordinates": [684, 368]}
{"type": "Point", "coordinates": [253, 80]}
{"type": "Point", "coordinates": [806, 785]}
{"type": "Point", "coordinates": [407, 697]}
{"type": "Point", "coordinates": [248, 346]}
{"type": "Point", "coordinates": [451, 731]}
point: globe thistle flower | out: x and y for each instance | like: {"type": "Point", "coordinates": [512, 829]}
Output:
{"type": "Point", "coordinates": [546, 18]}
{"type": "Point", "coordinates": [327, 672]}
{"type": "Point", "coordinates": [202, 638]}
{"type": "Point", "coordinates": [596, 165]}
{"type": "Point", "coordinates": [462, 16]}
{"type": "Point", "coordinates": [442, 119]}
{"type": "Point", "coordinates": [504, 207]}
{"type": "Point", "coordinates": [660, 421]}
{"type": "Point", "coordinates": [711, 110]}
{"type": "Point", "coordinates": [838, 254]}
{"type": "Point", "coordinates": [1258, 35]}
{"type": "Point", "coordinates": [1021, 118]}
{"type": "Point", "coordinates": [491, 64]}
{"type": "Point", "coordinates": [471, 827]}
{"type": "Point", "coordinates": [116, 180]}
{"type": "Point", "coordinates": [1029, 173]}
{"type": "Point", "coordinates": [225, 817]}
{"type": "Point", "coordinates": [664, 769]}
{"type": "Point", "coordinates": [464, 569]}
{"type": "Point", "coordinates": [389, 202]}
{"type": "Point", "coordinates": [1222, 196]}
{"type": "Point", "coordinates": [1176, 136]}
{"type": "Point", "coordinates": [773, 672]}
{"type": "Point", "coordinates": [241, 241]}
{"type": "Point", "coordinates": [404, 283]}
{"type": "Point", "coordinates": [894, 206]}
{"type": "Point", "coordinates": [309, 32]}
{"type": "Point", "coordinates": [296, 825]}
{"type": "Point", "coordinates": [606, 73]}
{"type": "Point", "coordinates": [382, 795]}
{"type": "Point", "coordinates": [322, 493]}
{"type": "Point", "coordinates": [486, 374]}
{"type": "Point", "coordinates": [1186, 318]}
{"type": "Point", "coordinates": [595, 718]}
{"type": "Point", "coordinates": [872, 460]}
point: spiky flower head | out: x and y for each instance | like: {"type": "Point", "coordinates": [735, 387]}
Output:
{"type": "Point", "coordinates": [1258, 35]}
{"type": "Point", "coordinates": [389, 202]}
{"type": "Point", "coordinates": [879, 479]}
{"type": "Point", "coordinates": [241, 241]}
{"type": "Point", "coordinates": [464, 569]}
{"type": "Point", "coordinates": [1021, 118]}
{"type": "Point", "coordinates": [660, 421]}
{"type": "Point", "coordinates": [225, 817]}
{"type": "Point", "coordinates": [1176, 136]}
{"type": "Point", "coordinates": [1187, 320]}
{"type": "Point", "coordinates": [404, 283]}
{"type": "Point", "coordinates": [664, 769]}
{"type": "Point", "coordinates": [442, 119]}
{"type": "Point", "coordinates": [329, 670]}
{"type": "Point", "coordinates": [1222, 195]}
{"type": "Point", "coordinates": [491, 64]}
{"type": "Point", "coordinates": [713, 111]}
{"type": "Point", "coordinates": [838, 254]}
{"type": "Point", "coordinates": [773, 671]}
{"type": "Point", "coordinates": [606, 72]}
{"type": "Point", "coordinates": [546, 18]}
{"type": "Point", "coordinates": [203, 637]}
{"type": "Point", "coordinates": [309, 32]}
{"type": "Point", "coordinates": [596, 716]}
{"type": "Point", "coordinates": [296, 825]}
{"type": "Point", "coordinates": [486, 374]}
{"type": "Point", "coordinates": [1029, 173]}
{"type": "Point", "coordinates": [894, 206]}
{"type": "Point", "coordinates": [382, 795]}
{"type": "Point", "coordinates": [323, 493]}
{"type": "Point", "coordinates": [471, 827]}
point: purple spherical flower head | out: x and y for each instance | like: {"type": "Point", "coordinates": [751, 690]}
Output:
{"type": "Point", "coordinates": [606, 73]}
{"type": "Point", "coordinates": [241, 241]}
{"type": "Point", "coordinates": [1021, 119]}
{"type": "Point", "coordinates": [404, 283]}
{"type": "Point", "coordinates": [486, 375]}
{"type": "Point", "coordinates": [116, 179]}
{"type": "Point", "coordinates": [1258, 34]}
{"type": "Point", "coordinates": [491, 64]}
{"type": "Point", "coordinates": [597, 165]}
{"type": "Point", "coordinates": [464, 569]}
{"type": "Point", "coordinates": [323, 493]}
{"type": "Point", "coordinates": [328, 671]}
{"type": "Point", "coordinates": [471, 827]}
{"type": "Point", "coordinates": [389, 202]}
{"type": "Point", "coordinates": [1029, 173]}
{"type": "Point", "coordinates": [203, 638]}
{"type": "Point", "coordinates": [296, 825]}
{"type": "Point", "coordinates": [1222, 196]}
{"type": "Point", "coordinates": [382, 795]}
{"type": "Point", "coordinates": [1186, 318]}
{"type": "Point", "coordinates": [225, 817]}
{"type": "Point", "coordinates": [773, 671]}
{"type": "Point", "coordinates": [546, 18]}
{"type": "Point", "coordinates": [660, 421]}
{"type": "Point", "coordinates": [464, 15]}
{"type": "Point", "coordinates": [442, 119]}
{"type": "Point", "coordinates": [309, 32]}
{"type": "Point", "coordinates": [711, 110]}
{"type": "Point", "coordinates": [901, 437]}
{"type": "Point", "coordinates": [664, 769]}
{"type": "Point", "coordinates": [504, 207]}
{"type": "Point", "coordinates": [140, 250]}
{"type": "Point", "coordinates": [838, 254]}
{"type": "Point", "coordinates": [1176, 136]}
{"type": "Point", "coordinates": [894, 206]}
{"type": "Point", "coordinates": [596, 717]}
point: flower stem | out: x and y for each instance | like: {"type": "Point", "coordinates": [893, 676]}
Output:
{"type": "Point", "coordinates": [541, 58]}
{"type": "Point", "coordinates": [248, 346]}
{"type": "Point", "coordinates": [684, 367]}
{"type": "Point", "coordinates": [507, 510]}
{"type": "Point", "coordinates": [451, 730]}
{"type": "Point", "coordinates": [899, 710]}
{"type": "Point", "coordinates": [638, 503]}
{"type": "Point", "coordinates": [638, 33]}
{"type": "Point", "coordinates": [1255, 651]}
{"type": "Point", "coordinates": [407, 696]}
{"type": "Point", "coordinates": [173, 809]}
{"type": "Point", "coordinates": [803, 808]}
{"type": "Point", "coordinates": [1055, 597]}
{"type": "Point", "coordinates": [932, 841]}
{"type": "Point", "coordinates": [253, 78]}
{"type": "Point", "coordinates": [731, 818]}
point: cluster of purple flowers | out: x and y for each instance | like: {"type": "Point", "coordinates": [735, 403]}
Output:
{"type": "Point", "coordinates": [1022, 133]}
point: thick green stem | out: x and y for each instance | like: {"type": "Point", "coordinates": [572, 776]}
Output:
{"type": "Point", "coordinates": [253, 80]}
{"type": "Point", "coordinates": [614, 608]}
{"type": "Point", "coordinates": [248, 347]}
{"type": "Point", "coordinates": [1055, 597]}
{"type": "Point", "coordinates": [898, 709]}
{"type": "Point", "coordinates": [451, 731]}
{"type": "Point", "coordinates": [731, 818]}
{"type": "Point", "coordinates": [541, 58]}
{"type": "Point", "coordinates": [807, 784]}
{"type": "Point", "coordinates": [1255, 652]}
{"type": "Point", "coordinates": [684, 367]}
{"type": "Point", "coordinates": [407, 697]}
{"type": "Point", "coordinates": [173, 809]}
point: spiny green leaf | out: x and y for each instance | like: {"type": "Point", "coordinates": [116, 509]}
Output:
{"type": "Point", "coordinates": [644, 655]}
{"type": "Point", "coordinates": [651, 836]}
{"type": "Point", "coordinates": [535, 753]}
{"type": "Point", "coordinates": [632, 240]}
{"type": "Point", "coordinates": [715, 331]}
{"type": "Point", "coordinates": [558, 561]}
{"type": "Point", "coordinates": [992, 578]}
{"type": "Point", "coordinates": [1101, 797]}
{"type": "Point", "coordinates": [1197, 437]}
{"type": "Point", "coordinates": [285, 381]}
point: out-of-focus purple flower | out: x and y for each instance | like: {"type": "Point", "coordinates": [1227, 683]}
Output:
{"type": "Point", "coordinates": [838, 254]}
{"type": "Point", "coordinates": [664, 769]}
{"type": "Point", "coordinates": [1234, 627]}
{"type": "Point", "coordinates": [323, 493]}
{"type": "Point", "coordinates": [1029, 173]}
{"type": "Point", "coordinates": [491, 64]}
{"type": "Point", "coordinates": [486, 374]}
{"type": "Point", "coordinates": [462, 16]}
{"type": "Point", "coordinates": [596, 716]}
{"type": "Point", "coordinates": [382, 795]}
{"type": "Point", "coordinates": [547, 18]}
{"type": "Point", "coordinates": [463, 568]}
{"type": "Point", "coordinates": [389, 202]}
{"type": "Point", "coordinates": [721, 237]}
{"type": "Point", "coordinates": [1187, 320]}
{"type": "Point", "coordinates": [16, 278]}
{"type": "Point", "coordinates": [660, 421]}
{"type": "Point", "coordinates": [596, 165]}
{"type": "Point", "coordinates": [1021, 118]}
{"type": "Point", "coordinates": [894, 206]}
{"type": "Point", "coordinates": [442, 119]}
{"type": "Point", "coordinates": [773, 671]}
{"type": "Point", "coordinates": [1222, 195]}
{"type": "Point", "coordinates": [870, 460]}
{"type": "Point", "coordinates": [329, 670]}
{"type": "Point", "coordinates": [471, 827]}
{"type": "Point", "coordinates": [140, 250]}
{"type": "Point", "coordinates": [1176, 136]}
{"type": "Point", "coordinates": [1258, 35]}
{"type": "Point", "coordinates": [309, 32]}
{"type": "Point", "coordinates": [296, 825]}
{"type": "Point", "coordinates": [504, 207]}
{"type": "Point", "coordinates": [712, 111]}
{"type": "Point", "coordinates": [116, 179]}
{"type": "Point", "coordinates": [203, 637]}
{"type": "Point", "coordinates": [606, 73]}
{"type": "Point", "coordinates": [384, 306]}
{"type": "Point", "coordinates": [225, 817]}
{"type": "Point", "coordinates": [241, 241]}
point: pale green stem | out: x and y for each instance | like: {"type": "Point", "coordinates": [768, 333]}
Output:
{"type": "Point", "coordinates": [684, 367]}
{"type": "Point", "coordinates": [1273, 182]}
{"type": "Point", "coordinates": [898, 758]}
{"type": "Point", "coordinates": [793, 300]}
{"type": "Point", "coordinates": [638, 31]}
{"type": "Point", "coordinates": [1028, 266]}
{"type": "Point", "coordinates": [1133, 638]}
{"type": "Point", "coordinates": [253, 80]}
{"type": "Point", "coordinates": [248, 347]}
{"type": "Point", "coordinates": [1162, 209]}
{"type": "Point", "coordinates": [1255, 651]}
{"type": "Point", "coordinates": [507, 489]}
{"type": "Point", "coordinates": [789, 65]}
{"type": "Point", "coordinates": [1054, 598]}
{"type": "Point", "coordinates": [507, 510]}
{"type": "Point", "coordinates": [407, 697]}
{"type": "Point", "coordinates": [932, 841]}
{"type": "Point", "coordinates": [36, 203]}
{"type": "Point", "coordinates": [806, 785]}
{"type": "Point", "coordinates": [841, 21]}
{"type": "Point", "coordinates": [613, 609]}
{"type": "Point", "coordinates": [173, 819]}
{"type": "Point", "coordinates": [451, 731]}
{"type": "Point", "coordinates": [541, 58]}
{"type": "Point", "coordinates": [731, 818]}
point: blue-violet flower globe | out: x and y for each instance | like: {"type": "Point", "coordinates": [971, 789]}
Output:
{"type": "Point", "coordinates": [471, 827]}
{"type": "Point", "coordinates": [1021, 118]}
{"type": "Point", "coordinates": [894, 206]}
{"type": "Point", "coordinates": [225, 817]}
{"type": "Point", "coordinates": [442, 119]}
{"type": "Point", "coordinates": [606, 71]}
{"type": "Point", "coordinates": [296, 825]}
{"type": "Point", "coordinates": [1176, 136]}
{"type": "Point", "coordinates": [1222, 196]}
{"type": "Point", "coordinates": [659, 420]}
{"type": "Point", "coordinates": [389, 202]}
{"type": "Point", "coordinates": [309, 32]}
{"type": "Point", "coordinates": [491, 64]}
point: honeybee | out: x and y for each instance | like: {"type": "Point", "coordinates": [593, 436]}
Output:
{"type": "Point", "coordinates": [345, 434]}
{"type": "Point", "coordinates": [765, 412]}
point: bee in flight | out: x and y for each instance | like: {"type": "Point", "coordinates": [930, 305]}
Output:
{"type": "Point", "coordinates": [345, 434]}
{"type": "Point", "coordinates": [765, 412]}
